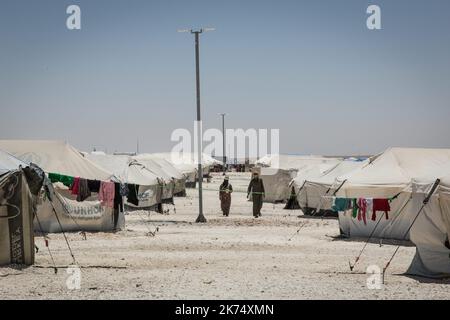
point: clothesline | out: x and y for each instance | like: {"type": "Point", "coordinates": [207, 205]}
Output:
{"type": "Point", "coordinates": [110, 193]}
{"type": "Point", "coordinates": [361, 207]}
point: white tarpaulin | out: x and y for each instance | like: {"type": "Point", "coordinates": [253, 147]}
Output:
{"type": "Point", "coordinates": [89, 215]}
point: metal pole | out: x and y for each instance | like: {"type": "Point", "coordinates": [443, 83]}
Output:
{"type": "Point", "coordinates": [224, 156]}
{"type": "Point", "coordinates": [201, 218]}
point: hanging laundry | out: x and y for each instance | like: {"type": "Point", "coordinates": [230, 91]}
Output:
{"type": "Point", "coordinates": [75, 185]}
{"type": "Point", "coordinates": [83, 190]}
{"type": "Point", "coordinates": [341, 204]}
{"type": "Point", "coordinates": [118, 200]}
{"type": "Point", "coordinates": [362, 204]}
{"type": "Point", "coordinates": [133, 191]}
{"type": "Point", "coordinates": [124, 189]}
{"type": "Point", "coordinates": [106, 194]}
{"type": "Point", "coordinates": [369, 205]}
{"type": "Point", "coordinates": [94, 186]}
{"type": "Point", "coordinates": [65, 180]}
{"type": "Point", "coordinates": [380, 205]}
{"type": "Point", "coordinates": [354, 208]}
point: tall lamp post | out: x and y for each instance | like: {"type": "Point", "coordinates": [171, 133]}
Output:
{"type": "Point", "coordinates": [196, 32]}
{"type": "Point", "coordinates": [224, 156]}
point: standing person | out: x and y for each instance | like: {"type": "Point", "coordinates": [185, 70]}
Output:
{"type": "Point", "coordinates": [225, 191]}
{"type": "Point", "coordinates": [256, 189]}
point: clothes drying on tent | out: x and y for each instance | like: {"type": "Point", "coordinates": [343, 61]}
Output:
{"type": "Point", "coordinates": [384, 176]}
{"type": "Point", "coordinates": [63, 162]}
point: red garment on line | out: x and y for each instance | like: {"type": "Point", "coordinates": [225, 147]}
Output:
{"type": "Point", "coordinates": [76, 184]}
{"type": "Point", "coordinates": [362, 205]}
{"type": "Point", "coordinates": [380, 205]}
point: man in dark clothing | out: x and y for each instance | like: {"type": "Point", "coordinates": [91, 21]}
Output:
{"type": "Point", "coordinates": [256, 189]}
{"type": "Point", "coordinates": [225, 191]}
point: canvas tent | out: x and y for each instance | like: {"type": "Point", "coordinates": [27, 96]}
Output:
{"type": "Point", "coordinates": [130, 171]}
{"type": "Point", "coordinates": [277, 172]}
{"type": "Point", "coordinates": [431, 230]}
{"type": "Point", "coordinates": [168, 182]}
{"type": "Point", "coordinates": [170, 170]}
{"type": "Point", "coordinates": [386, 176]}
{"type": "Point", "coordinates": [314, 185]}
{"type": "Point", "coordinates": [186, 163]}
{"type": "Point", "coordinates": [18, 192]}
{"type": "Point", "coordinates": [61, 158]}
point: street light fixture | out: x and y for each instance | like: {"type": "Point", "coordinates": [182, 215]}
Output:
{"type": "Point", "coordinates": [201, 218]}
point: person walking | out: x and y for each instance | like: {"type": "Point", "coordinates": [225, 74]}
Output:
{"type": "Point", "coordinates": [225, 191]}
{"type": "Point", "coordinates": [256, 189]}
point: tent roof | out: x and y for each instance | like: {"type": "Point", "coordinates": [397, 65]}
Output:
{"type": "Point", "coordinates": [290, 162]}
{"type": "Point", "coordinates": [186, 158]}
{"type": "Point", "coordinates": [343, 168]}
{"type": "Point", "coordinates": [125, 168]}
{"type": "Point", "coordinates": [8, 162]}
{"type": "Point", "coordinates": [55, 157]}
{"type": "Point", "coordinates": [397, 166]}
{"type": "Point", "coordinates": [313, 171]}
{"type": "Point", "coordinates": [165, 165]}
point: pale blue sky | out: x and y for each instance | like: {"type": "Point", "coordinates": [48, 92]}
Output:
{"type": "Point", "coordinates": [310, 68]}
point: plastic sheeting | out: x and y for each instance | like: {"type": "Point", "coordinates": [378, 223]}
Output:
{"type": "Point", "coordinates": [89, 215]}
{"type": "Point", "coordinates": [16, 220]}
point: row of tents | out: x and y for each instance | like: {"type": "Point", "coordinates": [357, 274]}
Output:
{"type": "Point", "coordinates": [160, 178]}
{"type": "Point", "coordinates": [405, 176]}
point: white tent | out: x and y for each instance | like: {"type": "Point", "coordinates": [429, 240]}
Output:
{"type": "Point", "coordinates": [293, 162]}
{"type": "Point", "coordinates": [131, 171]}
{"type": "Point", "coordinates": [387, 175]}
{"type": "Point", "coordinates": [431, 231]}
{"type": "Point", "coordinates": [188, 168]}
{"type": "Point", "coordinates": [189, 161]}
{"type": "Point", "coordinates": [61, 158]}
{"type": "Point", "coordinates": [278, 171]}
{"type": "Point", "coordinates": [313, 186]}
{"type": "Point", "coordinates": [169, 169]}
{"type": "Point", "coordinates": [55, 157]}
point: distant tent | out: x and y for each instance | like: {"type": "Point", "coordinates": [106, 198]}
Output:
{"type": "Point", "coordinates": [316, 185]}
{"type": "Point", "coordinates": [277, 172]}
{"type": "Point", "coordinates": [170, 170]}
{"type": "Point", "coordinates": [389, 176]}
{"type": "Point", "coordinates": [19, 187]}
{"type": "Point", "coordinates": [187, 164]}
{"type": "Point", "coordinates": [131, 171]}
{"type": "Point", "coordinates": [61, 158]}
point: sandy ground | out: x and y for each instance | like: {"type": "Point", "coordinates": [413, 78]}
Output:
{"type": "Point", "coordinates": [227, 258]}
